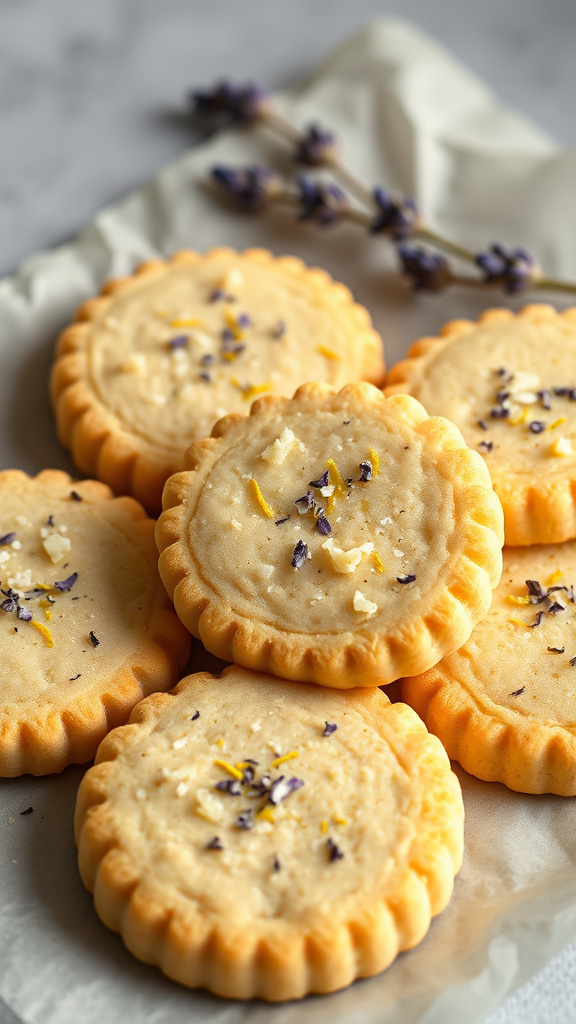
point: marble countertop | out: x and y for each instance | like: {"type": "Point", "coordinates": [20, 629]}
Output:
{"type": "Point", "coordinates": [93, 104]}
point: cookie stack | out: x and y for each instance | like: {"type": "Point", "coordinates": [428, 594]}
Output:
{"type": "Point", "coordinates": [282, 829]}
{"type": "Point", "coordinates": [504, 705]}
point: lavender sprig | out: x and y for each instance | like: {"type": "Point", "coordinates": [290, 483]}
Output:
{"type": "Point", "coordinates": [397, 217]}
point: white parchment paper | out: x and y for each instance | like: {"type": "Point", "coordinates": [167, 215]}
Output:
{"type": "Point", "coordinates": [408, 116]}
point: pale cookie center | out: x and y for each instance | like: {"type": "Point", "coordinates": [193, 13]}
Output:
{"type": "Point", "coordinates": [175, 353]}
{"type": "Point", "coordinates": [524, 653]}
{"type": "Point", "coordinates": [512, 391]}
{"type": "Point", "coordinates": [345, 823]}
{"type": "Point", "coordinates": [76, 596]}
{"type": "Point", "coordinates": [353, 525]}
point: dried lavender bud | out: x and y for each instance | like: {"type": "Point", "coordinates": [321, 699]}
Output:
{"type": "Point", "coordinates": [215, 844]}
{"type": "Point", "coordinates": [572, 662]}
{"type": "Point", "coordinates": [246, 819]}
{"type": "Point", "coordinates": [248, 774]}
{"type": "Point", "coordinates": [75, 496]}
{"type": "Point", "coordinates": [566, 393]}
{"type": "Point", "coordinates": [500, 412]}
{"type": "Point", "coordinates": [230, 102]}
{"type": "Point", "coordinates": [180, 341]}
{"type": "Point", "coordinates": [545, 397]}
{"type": "Point", "coordinates": [537, 426]}
{"type": "Point", "coordinates": [305, 503]}
{"type": "Point", "coordinates": [24, 614]}
{"type": "Point", "coordinates": [231, 786]}
{"type": "Point", "coordinates": [329, 728]}
{"type": "Point", "coordinates": [319, 202]}
{"type": "Point", "coordinates": [205, 376]}
{"type": "Point", "coordinates": [283, 519]}
{"type": "Point", "coordinates": [244, 320]}
{"type": "Point", "coordinates": [537, 620]}
{"type": "Point", "coordinates": [536, 591]}
{"type": "Point", "coordinates": [300, 554]}
{"type": "Point", "coordinates": [249, 187]}
{"type": "Point", "coordinates": [365, 471]}
{"type": "Point", "coordinates": [11, 602]}
{"type": "Point", "coordinates": [406, 579]}
{"type": "Point", "coordinates": [398, 217]}
{"type": "Point", "coordinates": [427, 271]}
{"type": "Point", "coordinates": [94, 639]}
{"type": "Point", "coordinates": [486, 446]}
{"type": "Point", "coordinates": [323, 525]}
{"type": "Point", "coordinates": [514, 269]}
{"type": "Point", "coordinates": [322, 481]}
{"type": "Point", "coordinates": [556, 650]}
{"type": "Point", "coordinates": [483, 425]}
{"type": "Point", "coordinates": [316, 146]}
{"type": "Point", "coordinates": [276, 864]}
{"type": "Point", "coordinates": [334, 851]}
{"type": "Point", "coordinates": [195, 716]}
{"type": "Point", "coordinates": [282, 787]}
{"type": "Point", "coordinates": [279, 330]}
{"type": "Point", "coordinates": [7, 539]}
{"type": "Point", "coordinates": [516, 693]}
{"type": "Point", "coordinates": [67, 584]}
{"type": "Point", "coordinates": [207, 359]}
{"type": "Point", "coordinates": [556, 607]}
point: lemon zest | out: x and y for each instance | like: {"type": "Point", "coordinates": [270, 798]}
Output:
{"type": "Point", "coordinates": [378, 563]}
{"type": "Point", "coordinates": [44, 586]}
{"type": "Point", "coordinates": [517, 600]}
{"type": "Point", "coordinates": [232, 324]}
{"type": "Point", "coordinates": [255, 389]}
{"type": "Point", "coordinates": [234, 772]}
{"type": "Point", "coordinates": [266, 508]}
{"type": "Point", "coordinates": [45, 632]}
{"type": "Point", "coordinates": [329, 353]}
{"type": "Point", "coordinates": [324, 827]}
{"type": "Point", "coordinates": [338, 485]}
{"type": "Point", "coordinates": [375, 460]}
{"type": "Point", "coordinates": [187, 321]}
{"type": "Point", "coordinates": [242, 764]}
{"type": "Point", "coordinates": [339, 820]}
{"type": "Point", "coordinates": [519, 622]}
{"type": "Point", "coordinates": [48, 614]}
{"type": "Point", "coordinates": [557, 575]}
{"type": "Point", "coordinates": [557, 423]}
{"type": "Point", "coordinates": [285, 757]}
{"type": "Point", "coordinates": [266, 814]}
{"type": "Point", "coordinates": [520, 417]}
{"type": "Point", "coordinates": [220, 743]}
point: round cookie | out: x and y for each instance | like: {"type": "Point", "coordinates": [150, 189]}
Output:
{"type": "Point", "coordinates": [509, 384]}
{"type": "Point", "coordinates": [504, 705]}
{"type": "Point", "coordinates": [86, 628]}
{"type": "Point", "coordinates": [336, 538]}
{"type": "Point", "coordinates": [265, 841]}
{"type": "Point", "coordinates": [153, 362]}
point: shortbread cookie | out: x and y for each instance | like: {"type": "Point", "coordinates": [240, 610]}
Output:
{"type": "Point", "coordinates": [153, 363]}
{"type": "Point", "coordinates": [335, 538]}
{"type": "Point", "coordinates": [504, 705]}
{"type": "Point", "coordinates": [509, 383]}
{"type": "Point", "coordinates": [268, 841]}
{"type": "Point", "coordinates": [86, 629]}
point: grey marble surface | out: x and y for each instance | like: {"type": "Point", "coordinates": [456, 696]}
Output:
{"type": "Point", "coordinates": [92, 104]}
